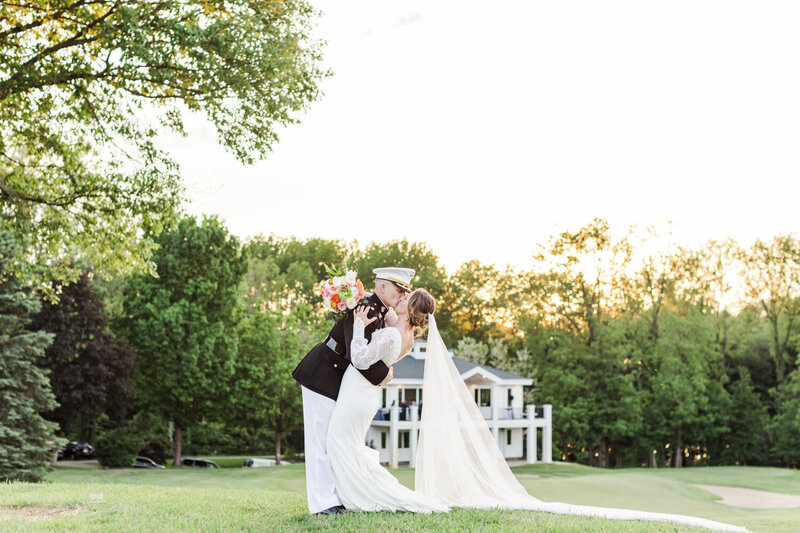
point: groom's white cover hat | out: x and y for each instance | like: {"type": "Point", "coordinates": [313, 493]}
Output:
{"type": "Point", "coordinates": [399, 276]}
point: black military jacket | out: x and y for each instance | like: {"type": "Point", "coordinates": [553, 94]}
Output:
{"type": "Point", "coordinates": [322, 369]}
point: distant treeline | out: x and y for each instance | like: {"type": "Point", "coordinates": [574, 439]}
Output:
{"type": "Point", "coordinates": [651, 353]}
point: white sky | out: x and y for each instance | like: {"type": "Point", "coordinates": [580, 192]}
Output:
{"type": "Point", "coordinates": [482, 128]}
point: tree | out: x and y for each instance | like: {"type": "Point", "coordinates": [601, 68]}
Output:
{"type": "Point", "coordinates": [271, 346]}
{"type": "Point", "coordinates": [284, 272]}
{"type": "Point", "coordinates": [679, 368]}
{"type": "Point", "coordinates": [772, 278]}
{"type": "Point", "coordinates": [27, 441]}
{"type": "Point", "coordinates": [577, 278]}
{"type": "Point", "coordinates": [181, 324]}
{"type": "Point", "coordinates": [283, 320]}
{"type": "Point", "coordinates": [91, 372]}
{"type": "Point", "coordinates": [746, 443]}
{"type": "Point", "coordinates": [471, 301]}
{"type": "Point", "coordinates": [707, 282]}
{"type": "Point", "coordinates": [87, 86]}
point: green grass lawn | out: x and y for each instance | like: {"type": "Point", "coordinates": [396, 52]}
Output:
{"type": "Point", "coordinates": [273, 499]}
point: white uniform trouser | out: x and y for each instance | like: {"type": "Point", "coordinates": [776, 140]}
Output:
{"type": "Point", "coordinates": [317, 410]}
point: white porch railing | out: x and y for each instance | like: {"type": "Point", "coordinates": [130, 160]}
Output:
{"type": "Point", "coordinates": [397, 418]}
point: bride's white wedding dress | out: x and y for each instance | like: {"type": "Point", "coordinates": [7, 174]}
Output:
{"type": "Point", "coordinates": [361, 482]}
{"type": "Point", "coordinates": [458, 461]}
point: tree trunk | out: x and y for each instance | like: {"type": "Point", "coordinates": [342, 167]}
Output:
{"type": "Point", "coordinates": [652, 460]}
{"type": "Point", "coordinates": [277, 447]}
{"type": "Point", "coordinates": [177, 449]}
{"type": "Point", "coordinates": [678, 462]}
{"type": "Point", "coordinates": [603, 453]}
{"type": "Point", "coordinates": [590, 449]}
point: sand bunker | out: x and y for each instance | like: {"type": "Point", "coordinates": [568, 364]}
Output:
{"type": "Point", "coordinates": [37, 511]}
{"type": "Point", "coordinates": [752, 498]}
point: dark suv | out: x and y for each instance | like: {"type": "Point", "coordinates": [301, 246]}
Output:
{"type": "Point", "coordinates": [198, 463]}
{"type": "Point", "coordinates": [76, 450]}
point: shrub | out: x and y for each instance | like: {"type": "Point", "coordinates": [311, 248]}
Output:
{"type": "Point", "coordinates": [118, 447]}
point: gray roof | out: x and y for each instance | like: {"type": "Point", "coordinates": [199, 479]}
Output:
{"type": "Point", "coordinates": [411, 368]}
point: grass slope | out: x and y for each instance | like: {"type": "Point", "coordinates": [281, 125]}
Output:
{"type": "Point", "coordinates": [273, 499]}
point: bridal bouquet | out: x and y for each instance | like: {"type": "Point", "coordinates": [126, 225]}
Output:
{"type": "Point", "coordinates": [342, 291]}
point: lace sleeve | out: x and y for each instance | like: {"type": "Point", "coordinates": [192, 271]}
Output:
{"type": "Point", "coordinates": [364, 354]}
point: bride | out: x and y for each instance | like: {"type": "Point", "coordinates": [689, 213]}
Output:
{"type": "Point", "coordinates": [361, 482]}
{"type": "Point", "coordinates": [458, 461]}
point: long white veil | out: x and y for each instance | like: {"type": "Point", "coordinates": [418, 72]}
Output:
{"type": "Point", "coordinates": [459, 463]}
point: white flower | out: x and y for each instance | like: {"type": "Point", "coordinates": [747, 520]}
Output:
{"type": "Point", "coordinates": [350, 277]}
{"type": "Point", "coordinates": [351, 303]}
{"type": "Point", "coordinates": [338, 281]}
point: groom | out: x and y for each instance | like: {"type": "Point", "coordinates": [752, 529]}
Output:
{"type": "Point", "coordinates": [320, 374]}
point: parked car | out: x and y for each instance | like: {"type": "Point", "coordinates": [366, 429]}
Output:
{"type": "Point", "coordinates": [255, 462]}
{"type": "Point", "coordinates": [146, 462]}
{"type": "Point", "coordinates": [76, 450]}
{"type": "Point", "coordinates": [192, 462]}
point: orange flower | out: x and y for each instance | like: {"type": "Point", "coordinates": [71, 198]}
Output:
{"type": "Point", "coordinates": [335, 300]}
{"type": "Point", "coordinates": [359, 285]}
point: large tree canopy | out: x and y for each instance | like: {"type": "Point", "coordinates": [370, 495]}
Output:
{"type": "Point", "coordinates": [181, 324]}
{"type": "Point", "coordinates": [87, 85]}
{"type": "Point", "coordinates": [91, 372]}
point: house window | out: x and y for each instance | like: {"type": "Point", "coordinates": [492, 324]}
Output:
{"type": "Point", "coordinates": [403, 438]}
{"type": "Point", "coordinates": [483, 397]}
{"type": "Point", "coordinates": [510, 398]}
{"type": "Point", "coordinates": [410, 395]}
{"type": "Point", "coordinates": [508, 437]}
{"type": "Point", "coordinates": [383, 440]}
{"type": "Point", "coordinates": [383, 397]}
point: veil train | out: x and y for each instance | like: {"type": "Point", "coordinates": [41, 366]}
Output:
{"type": "Point", "coordinates": [459, 463]}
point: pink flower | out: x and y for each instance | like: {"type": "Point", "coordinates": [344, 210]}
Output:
{"type": "Point", "coordinates": [342, 305]}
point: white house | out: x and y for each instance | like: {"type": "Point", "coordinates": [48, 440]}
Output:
{"type": "Point", "coordinates": [395, 428]}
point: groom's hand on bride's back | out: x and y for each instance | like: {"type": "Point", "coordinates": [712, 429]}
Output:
{"type": "Point", "coordinates": [388, 377]}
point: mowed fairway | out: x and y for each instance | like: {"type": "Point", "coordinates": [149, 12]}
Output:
{"type": "Point", "coordinates": [273, 499]}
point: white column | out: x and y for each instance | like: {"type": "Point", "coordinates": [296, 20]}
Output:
{"type": "Point", "coordinates": [495, 429]}
{"type": "Point", "coordinates": [516, 391]}
{"type": "Point", "coordinates": [413, 437]}
{"type": "Point", "coordinates": [391, 395]}
{"type": "Point", "coordinates": [547, 435]}
{"type": "Point", "coordinates": [531, 456]}
{"type": "Point", "coordinates": [494, 400]}
{"type": "Point", "coordinates": [393, 416]}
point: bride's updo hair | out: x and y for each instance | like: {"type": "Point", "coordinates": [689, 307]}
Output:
{"type": "Point", "coordinates": [420, 305]}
